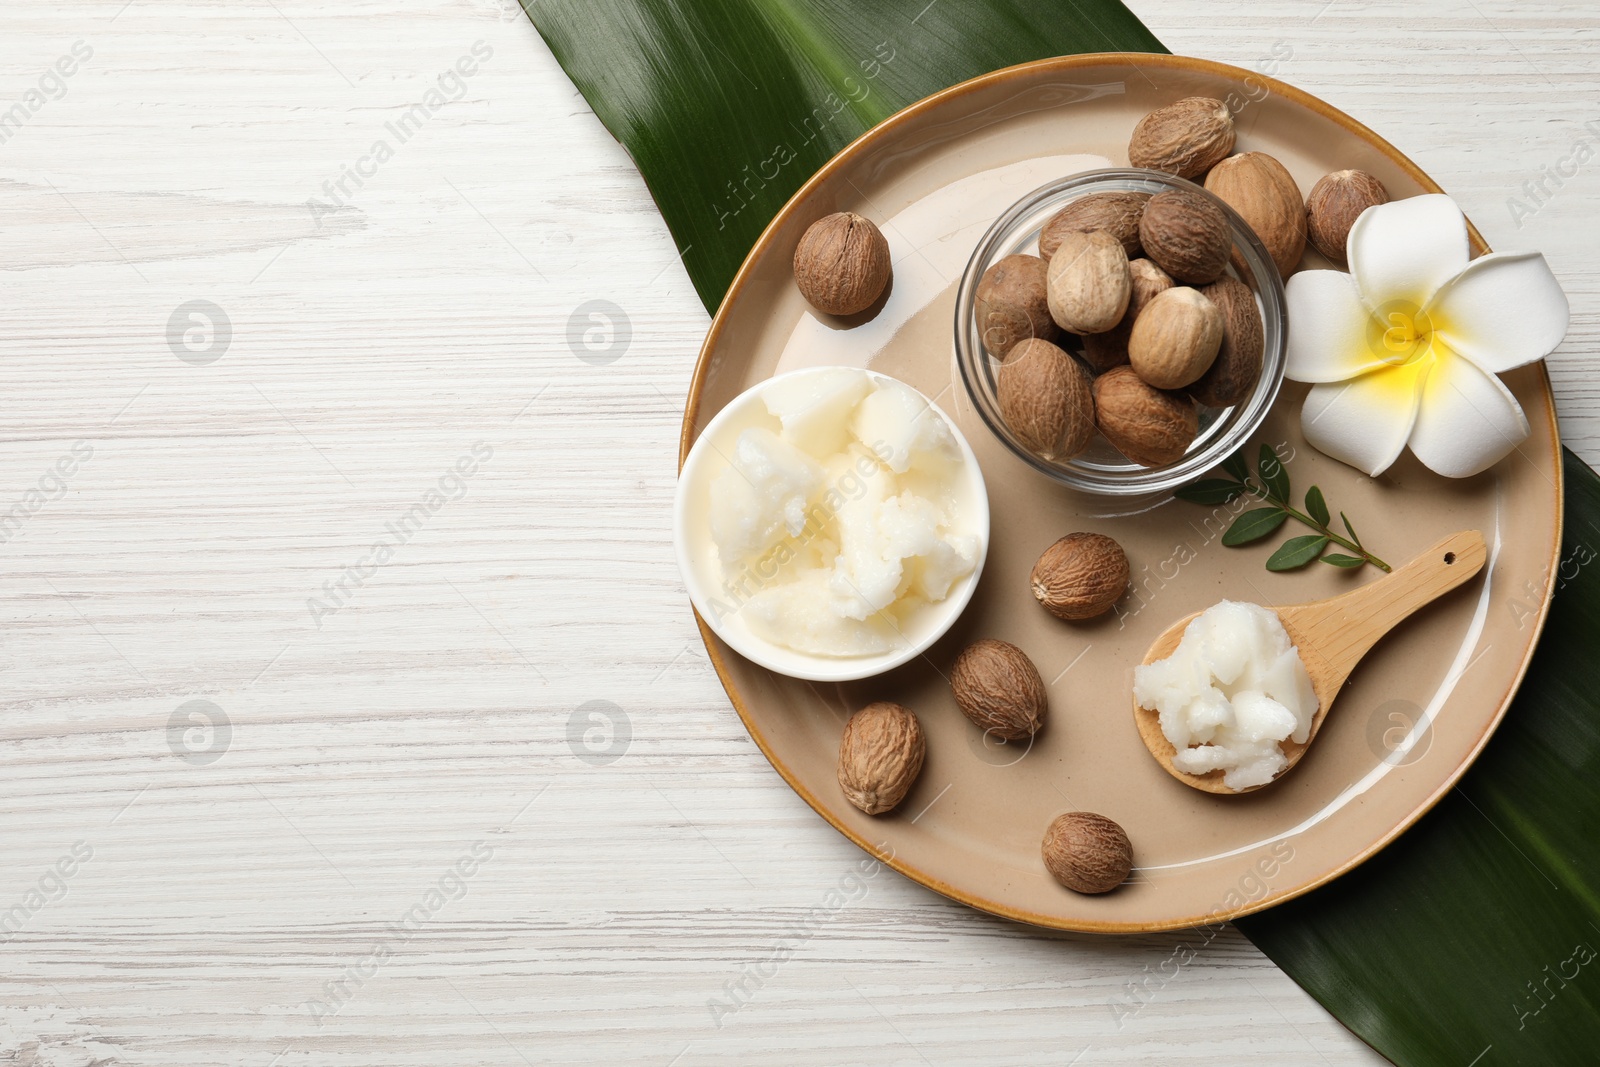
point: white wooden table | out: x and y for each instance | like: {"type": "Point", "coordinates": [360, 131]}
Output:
{"type": "Point", "coordinates": [271, 796]}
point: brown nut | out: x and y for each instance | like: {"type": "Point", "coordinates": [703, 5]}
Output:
{"type": "Point", "coordinates": [1080, 576]}
{"type": "Point", "coordinates": [1187, 138]}
{"type": "Point", "coordinates": [1102, 351]}
{"type": "Point", "coordinates": [1012, 304]}
{"type": "Point", "coordinates": [1089, 282]}
{"type": "Point", "coordinates": [1148, 425]}
{"type": "Point", "coordinates": [1187, 234]}
{"type": "Point", "coordinates": [1046, 399]}
{"type": "Point", "coordinates": [1265, 195]}
{"type": "Point", "coordinates": [880, 756]}
{"type": "Point", "coordinates": [1115, 212]}
{"type": "Point", "coordinates": [1176, 339]}
{"type": "Point", "coordinates": [1087, 853]}
{"type": "Point", "coordinates": [841, 265]}
{"type": "Point", "coordinates": [997, 686]}
{"type": "Point", "coordinates": [1334, 205]}
{"type": "Point", "coordinates": [1234, 372]}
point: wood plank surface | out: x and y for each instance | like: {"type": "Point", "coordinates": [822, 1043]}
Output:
{"type": "Point", "coordinates": [353, 712]}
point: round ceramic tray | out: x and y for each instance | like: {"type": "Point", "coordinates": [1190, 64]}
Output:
{"type": "Point", "coordinates": [1412, 718]}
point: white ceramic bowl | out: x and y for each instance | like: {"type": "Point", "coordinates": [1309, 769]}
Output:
{"type": "Point", "coordinates": [702, 572]}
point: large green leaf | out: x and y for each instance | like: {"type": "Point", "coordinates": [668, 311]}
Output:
{"type": "Point", "coordinates": [1458, 942]}
{"type": "Point", "coordinates": [728, 106]}
{"type": "Point", "coordinates": [1475, 939]}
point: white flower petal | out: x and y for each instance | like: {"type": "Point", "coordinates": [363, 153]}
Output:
{"type": "Point", "coordinates": [1366, 421]}
{"type": "Point", "coordinates": [1329, 328]}
{"type": "Point", "coordinates": [1468, 420]}
{"type": "Point", "coordinates": [1403, 251]}
{"type": "Point", "coordinates": [1506, 309]}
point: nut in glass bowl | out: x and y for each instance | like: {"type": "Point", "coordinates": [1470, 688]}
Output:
{"type": "Point", "coordinates": [1100, 467]}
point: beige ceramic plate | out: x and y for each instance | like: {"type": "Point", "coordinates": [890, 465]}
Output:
{"type": "Point", "coordinates": [934, 176]}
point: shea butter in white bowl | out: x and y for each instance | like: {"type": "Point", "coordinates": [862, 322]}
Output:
{"type": "Point", "coordinates": [831, 523]}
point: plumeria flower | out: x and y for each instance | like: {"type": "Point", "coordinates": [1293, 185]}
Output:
{"type": "Point", "coordinates": [1406, 347]}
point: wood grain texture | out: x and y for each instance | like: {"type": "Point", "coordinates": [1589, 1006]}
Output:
{"type": "Point", "coordinates": [418, 815]}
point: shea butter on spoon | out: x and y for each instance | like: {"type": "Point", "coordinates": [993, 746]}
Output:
{"type": "Point", "coordinates": [1230, 694]}
{"type": "Point", "coordinates": [831, 523]}
{"type": "Point", "coordinates": [1229, 699]}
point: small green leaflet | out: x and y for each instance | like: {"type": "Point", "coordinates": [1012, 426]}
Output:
{"type": "Point", "coordinates": [1350, 529]}
{"type": "Point", "coordinates": [1253, 525]}
{"type": "Point", "coordinates": [1210, 491]}
{"type": "Point", "coordinates": [1237, 466]}
{"type": "Point", "coordinates": [1339, 559]}
{"type": "Point", "coordinates": [1297, 552]}
{"type": "Point", "coordinates": [1317, 506]}
{"type": "Point", "coordinates": [1274, 474]}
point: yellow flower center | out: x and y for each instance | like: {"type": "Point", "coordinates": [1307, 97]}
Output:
{"type": "Point", "coordinates": [1400, 333]}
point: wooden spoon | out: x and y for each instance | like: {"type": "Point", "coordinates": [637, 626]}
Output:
{"type": "Point", "coordinates": [1332, 635]}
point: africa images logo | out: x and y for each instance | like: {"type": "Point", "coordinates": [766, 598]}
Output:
{"type": "Point", "coordinates": [451, 485]}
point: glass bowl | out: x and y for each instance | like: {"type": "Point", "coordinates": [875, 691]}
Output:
{"type": "Point", "coordinates": [1101, 469]}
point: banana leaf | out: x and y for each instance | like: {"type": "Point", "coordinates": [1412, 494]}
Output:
{"type": "Point", "coordinates": [728, 106]}
{"type": "Point", "coordinates": [1472, 941]}
{"type": "Point", "coordinates": [1475, 939]}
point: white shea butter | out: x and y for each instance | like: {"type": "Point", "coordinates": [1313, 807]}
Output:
{"type": "Point", "coordinates": [840, 514]}
{"type": "Point", "coordinates": [1233, 690]}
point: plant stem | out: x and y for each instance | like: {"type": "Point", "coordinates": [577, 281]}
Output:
{"type": "Point", "coordinates": [1262, 494]}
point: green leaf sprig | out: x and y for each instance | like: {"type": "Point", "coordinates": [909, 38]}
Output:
{"type": "Point", "coordinates": [1270, 483]}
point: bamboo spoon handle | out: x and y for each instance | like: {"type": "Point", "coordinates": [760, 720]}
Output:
{"type": "Point", "coordinates": [1343, 628]}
